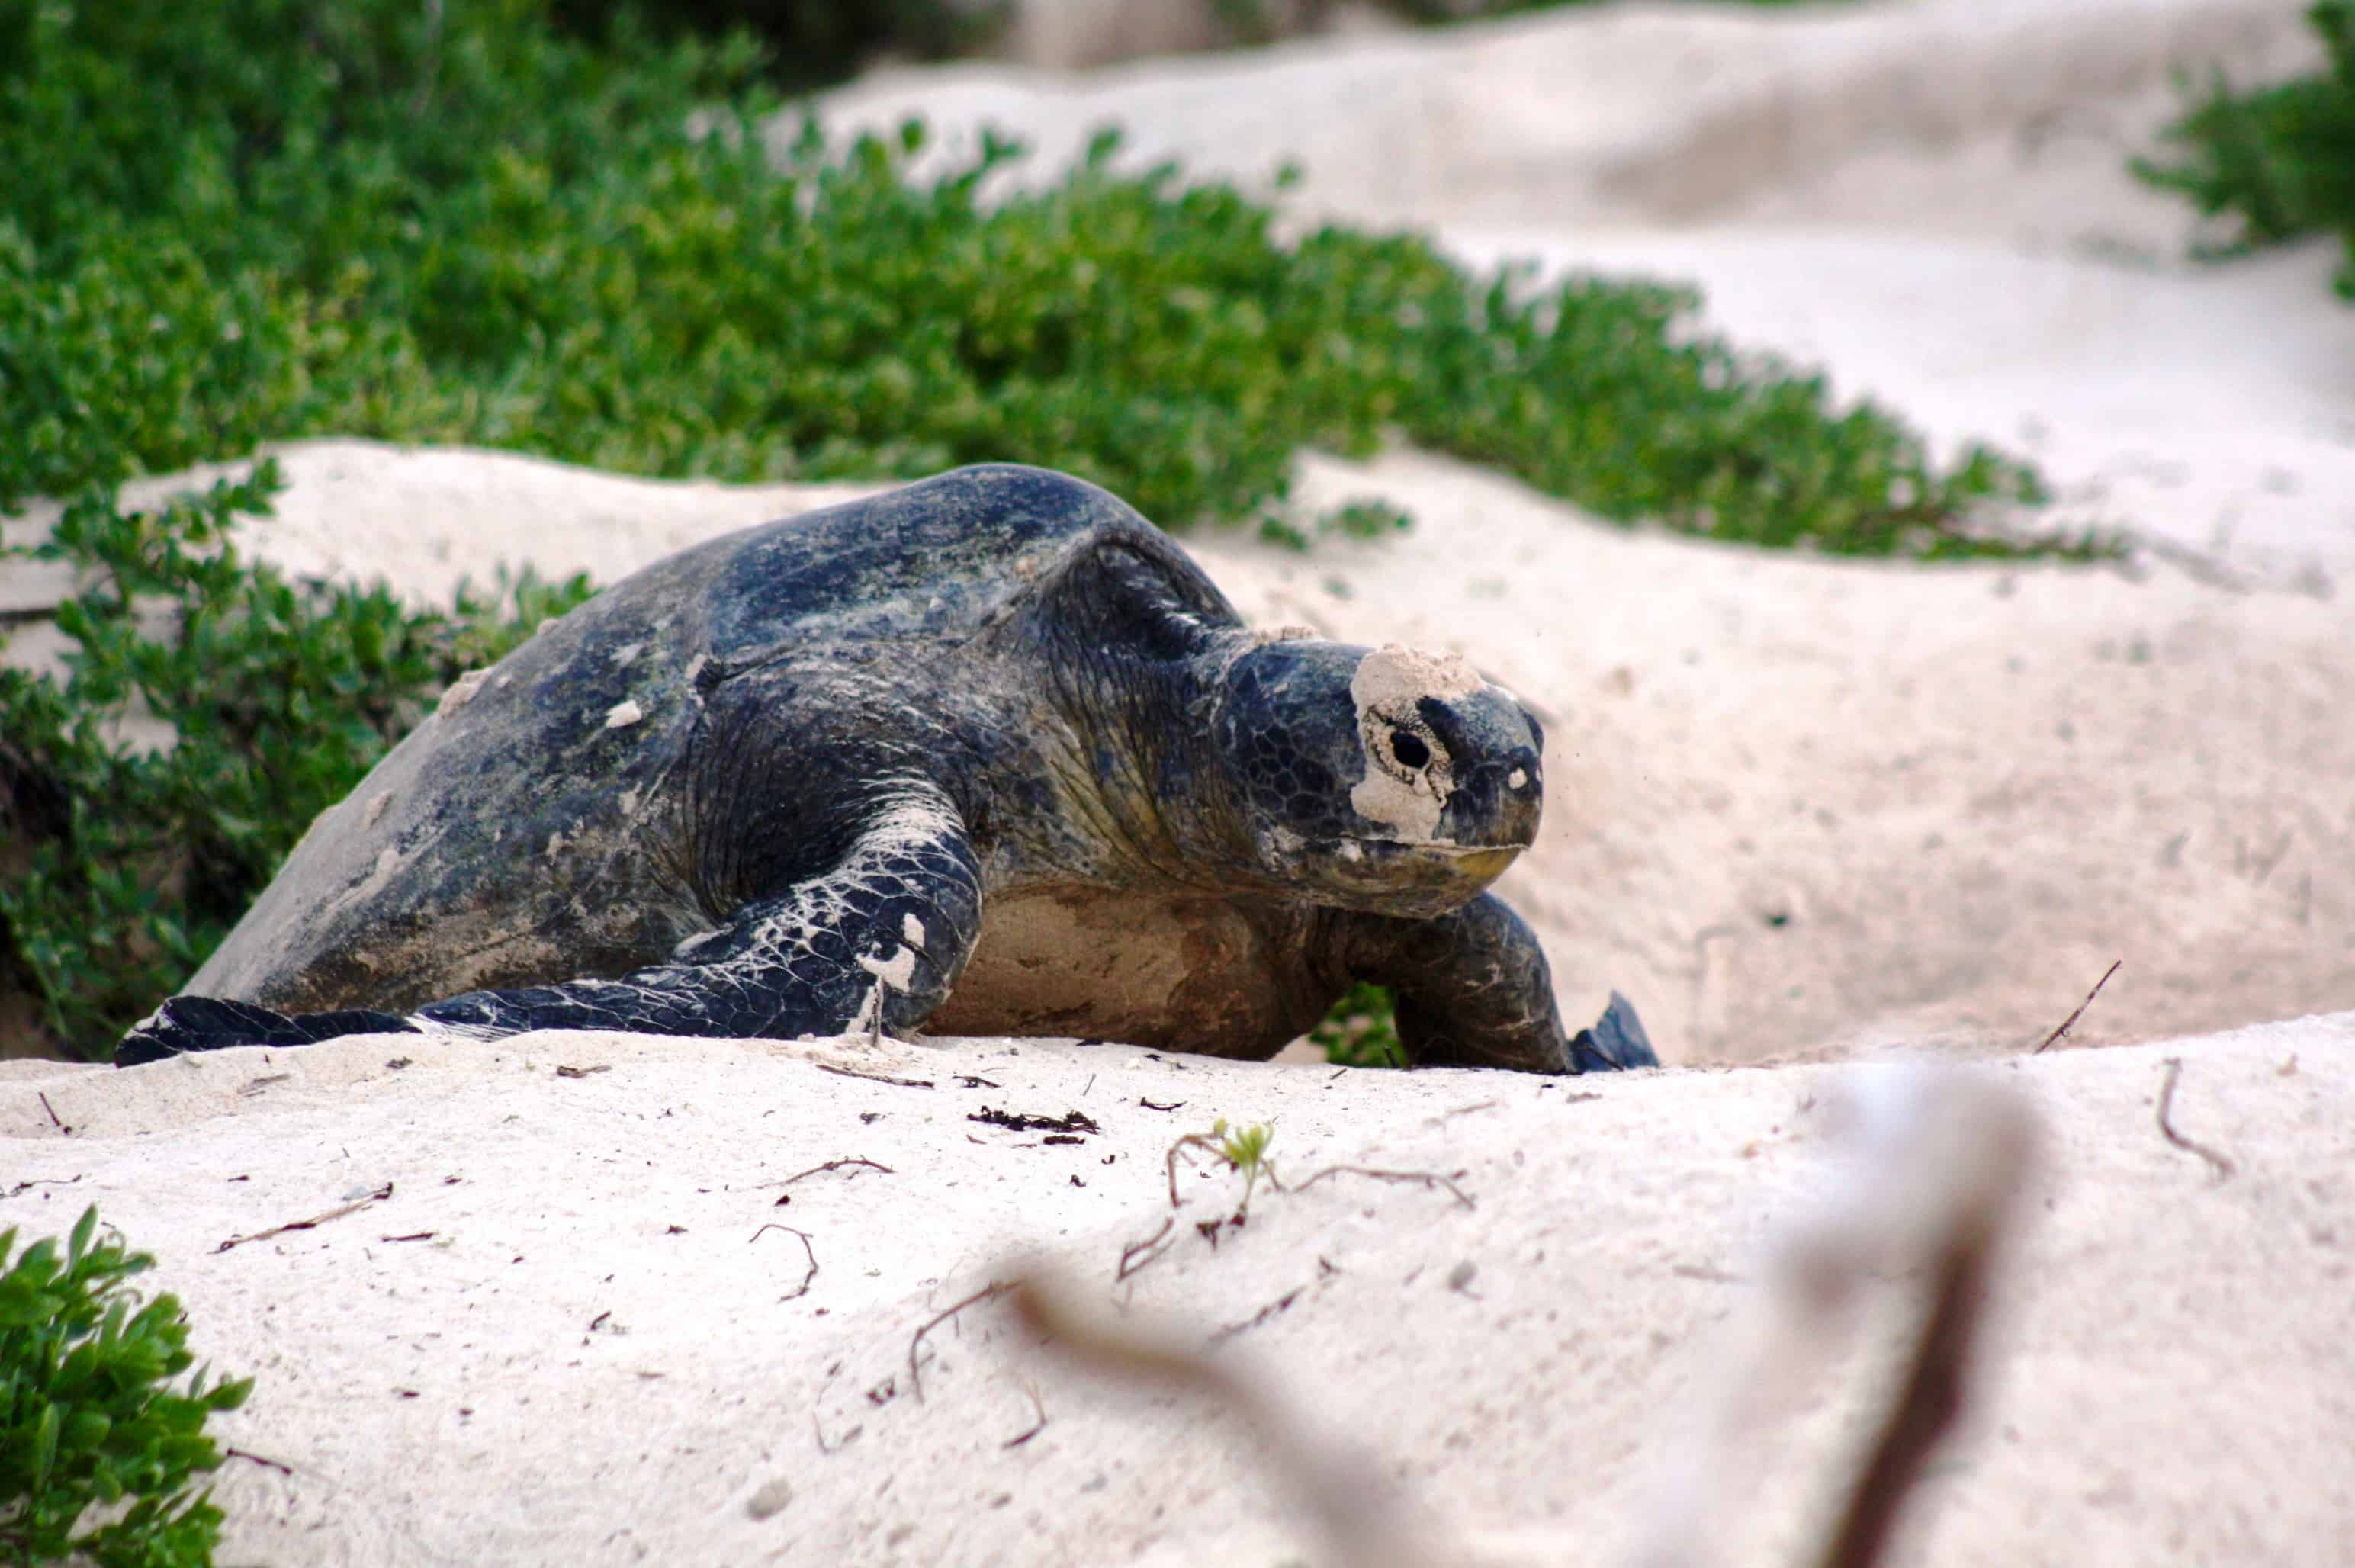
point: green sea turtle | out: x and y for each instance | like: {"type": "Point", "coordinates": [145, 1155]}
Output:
{"type": "Point", "coordinates": [986, 755]}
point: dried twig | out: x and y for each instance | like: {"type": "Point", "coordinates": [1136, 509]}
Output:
{"type": "Point", "coordinates": [1929, 1191]}
{"type": "Point", "coordinates": [1035, 1427]}
{"type": "Point", "coordinates": [874, 1077]}
{"type": "Point", "coordinates": [378, 1196]}
{"type": "Point", "coordinates": [2088, 1002]}
{"type": "Point", "coordinates": [279, 1466]}
{"type": "Point", "coordinates": [1426, 1178]}
{"type": "Point", "coordinates": [2221, 1164]}
{"type": "Point", "coordinates": [1190, 1140]}
{"type": "Point", "coordinates": [916, 1342]}
{"type": "Point", "coordinates": [1365, 1522]}
{"type": "Point", "coordinates": [844, 1163]}
{"type": "Point", "coordinates": [1930, 1403]}
{"type": "Point", "coordinates": [1130, 1261]}
{"type": "Point", "coordinates": [1225, 1331]}
{"type": "Point", "coordinates": [52, 1110]}
{"type": "Point", "coordinates": [801, 1289]}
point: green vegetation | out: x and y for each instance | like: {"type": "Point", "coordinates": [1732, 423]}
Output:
{"type": "Point", "coordinates": [222, 225]}
{"type": "Point", "coordinates": [817, 41]}
{"type": "Point", "coordinates": [1360, 1031]}
{"type": "Point", "coordinates": [1445, 11]}
{"type": "Point", "coordinates": [2280, 160]}
{"type": "Point", "coordinates": [808, 42]}
{"type": "Point", "coordinates": [90, 1419]}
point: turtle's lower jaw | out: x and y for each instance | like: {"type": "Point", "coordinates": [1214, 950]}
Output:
{"type": "Point", "coordinates": [1418, 879]}
{"type": "Point", "coordinates": [1485, 862]}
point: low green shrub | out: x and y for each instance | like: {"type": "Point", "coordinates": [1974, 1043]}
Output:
{"type": "Point", "coordinates": [2280, 160]}
{"type": "Point", "coordinates": [810, 42]}
{"type": "Point", "coordinates": [98, 1445]}
{"type": "Point", "coordinates": [281, 696]}
{"type": "Point", "coordinates": [1360, 1031]}
{"type": "Point", "coordinates": [221, 225]}
{"type": "Point", "coordinates": [820, 41]}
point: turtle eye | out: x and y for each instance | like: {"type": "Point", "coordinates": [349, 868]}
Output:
{"type": "Point", "coordinates": [1409, 749]}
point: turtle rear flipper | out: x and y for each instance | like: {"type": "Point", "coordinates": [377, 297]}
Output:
{"type": "Point", "coordinates": [210, 1023]}
{"type": "Point", "coordinates": [1616, 1041]}
{"type": "Point", "coordinates": [875, 942]}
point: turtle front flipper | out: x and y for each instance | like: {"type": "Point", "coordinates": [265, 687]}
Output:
{"type": "Point", "coordinates": [184, 1024]}
{"type": "Point", "coordinates": [1472, 989]}
{"type": "Point", "coordinates": [874, 942]}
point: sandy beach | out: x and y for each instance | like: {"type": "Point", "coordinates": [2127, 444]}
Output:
{"type": "Point", "coordinates": [1801, 811]}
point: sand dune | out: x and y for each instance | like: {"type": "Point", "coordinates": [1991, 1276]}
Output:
{"type": "Point", "coordinates": [1800, 809]}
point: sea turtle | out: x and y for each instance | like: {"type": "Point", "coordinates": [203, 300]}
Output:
{"type": "Point", "coordinates": [987, 754]}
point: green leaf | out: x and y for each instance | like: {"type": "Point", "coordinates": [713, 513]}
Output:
{"type": "Point", "coordinates": [44, 1446]}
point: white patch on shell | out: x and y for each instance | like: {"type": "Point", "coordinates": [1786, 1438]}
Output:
{"type": "Point", "coordinates": [624, 714]}
{"type": "Point", "coordinates": [556, 844]}
{"type": "Point", "coordinates": [435, 1027]}
{"type": "Point", "coordinates": [869, 1017]}
{"type": "Point", "coordinates": [461, 690]}
{"type": "Point", "coordinates": [375, 810]}
{"type": "Point", "coordinates": [1388, 685]}
{"type": "Point", "coordinates": [896, 971]}
{"type": "Point", "coordinates": [1517, 779]}
{"type": "Point", "coordinates": [912, 931]}
{"type": "Point", "coordinates": [625, 653]}
{"type": "Point", "coordinates": [628, 801]}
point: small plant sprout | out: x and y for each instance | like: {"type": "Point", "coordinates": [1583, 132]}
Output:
{"type": "Point", "coordinates": [1244, 1149]}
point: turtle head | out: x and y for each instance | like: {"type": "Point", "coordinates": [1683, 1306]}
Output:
{"type": "Point", "coordinates": [1380, 779]}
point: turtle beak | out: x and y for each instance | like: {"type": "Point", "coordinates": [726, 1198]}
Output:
{"type": "Point", "coordinates": [1483, 866]}
{"type": "Point", "coordinates": [1428, 879]}
{"type": "Point", "coordinates": [1498, 790]}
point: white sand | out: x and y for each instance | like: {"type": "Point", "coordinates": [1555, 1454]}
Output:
{"type": "Point", "coordinates": [1797, 807]}
{"type": "Point", "coordinates": [2175, 1382]}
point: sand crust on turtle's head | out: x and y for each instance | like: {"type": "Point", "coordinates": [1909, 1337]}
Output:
{"type": "Point", "coordinates": [1388, 687]}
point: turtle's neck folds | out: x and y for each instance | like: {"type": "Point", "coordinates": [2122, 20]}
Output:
{"type": "Point", "coordinates": [1125, 745]}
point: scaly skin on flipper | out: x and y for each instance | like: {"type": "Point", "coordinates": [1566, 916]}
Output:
{"type": "Point", "coordinates": [986, 755]}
